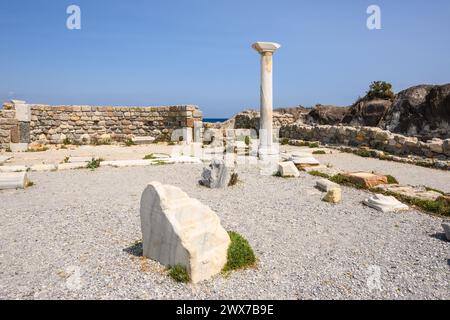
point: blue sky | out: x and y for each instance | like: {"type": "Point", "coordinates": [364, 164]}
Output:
{"type": "Point", "coordinates": [155, 52]}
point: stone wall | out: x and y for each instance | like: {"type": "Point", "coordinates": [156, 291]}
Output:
{"type": "Point", "coordinates": [250, 120]}
{"type": "Point", "coordinates": [89, 124]}
{"type": "Point", "coordinates": [8, 125]}
{"type": "Point", "coordinates": [373, 137]}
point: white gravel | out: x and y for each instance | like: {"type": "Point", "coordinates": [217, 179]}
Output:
{"type": "Point", "coordinates": [81, 225]}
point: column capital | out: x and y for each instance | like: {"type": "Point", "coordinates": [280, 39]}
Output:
{"type": "Point", "coordinates": [266, 47]}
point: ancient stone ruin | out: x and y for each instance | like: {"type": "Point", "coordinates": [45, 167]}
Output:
{"type": "Point", "coordinates": [22, 123]}
{"type": "Point", "coordinates": [179, 230]}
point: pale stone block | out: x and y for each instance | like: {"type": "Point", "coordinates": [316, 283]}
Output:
{"type": "Point", "coordinates": [366, 179]}
{"type": "Point", "coordinates": [385, 203]}
{"type": "Point", "coordinates": [18, 147]}
{"type": "Point", "coordinates": [143, 140]}
{"type": "Point", "coordinates": [268, 164]}
{"type": "Point", "coordinates": [13, 168]}
{"type": "Point", "coordinates": [419, 192]}
{"type": "Point", "coordinates": [17, 180]}
{"type": "Point", "coordinates": [288, 169]}
{"type": "Point", "coordinates": [44, 167]}
{"type": "Point", "coordinates": [326, 185]}
{"type": "Point", "coordinates": [333, 196]}
{"type": "Point", "coordinates": [79, 159]}
{"type": "Point", "coordinates": [126, 163]}
{"type": "Point", "coordinates": [23, 111]}
{"type": "Point", "coordinates": [72, 166]}
{"type": "Point", "coordinates": [3, 159]}
{"type": "Point", "coordinates": [446, 226]}
{"type": "Point", "coordinates": [179, 230]}
{"type": "Point", "coordinates": [185, 159]}
{"type": "Point", "coordinates": [216, 175]}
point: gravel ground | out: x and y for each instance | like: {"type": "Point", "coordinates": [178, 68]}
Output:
{"type": "Point", "coordinates": [82, 225]}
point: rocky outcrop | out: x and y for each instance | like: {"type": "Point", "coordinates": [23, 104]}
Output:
{"type": "Point", "coordinates": [420, 111]}
{"type": "Point", "coordinates": [326, 115]}
{"type": "Point", "coordinates": [299, 112]}
{"type": "Point", "coordinates": [367, 113]}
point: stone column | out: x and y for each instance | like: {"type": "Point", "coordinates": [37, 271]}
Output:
{"type": "Point", "coordinates": [266, 49]}
{"type": "Point", "coordinates": [20, 136]}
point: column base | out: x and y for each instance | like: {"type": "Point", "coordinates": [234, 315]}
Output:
{"type": "Point", "coordinates": [269, 157]}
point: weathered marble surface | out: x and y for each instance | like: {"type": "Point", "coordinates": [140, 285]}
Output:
{"type": "Point", "coordinates": [446, 226]}
{"type": "Point", "coordinates": [13, 180]}
{"type": "Point", "coordinates": [326, 185]}
{"type": "Point", "coordinates": [177, 229]}
{"type": "Point", "coordinates": [385, 203]}
{"type": "Point", "coordinates": [266, 49]}
{"type": "Point", "coordinates": [288, 169]}
{"type": "Point", "coordinates": [216, 175]}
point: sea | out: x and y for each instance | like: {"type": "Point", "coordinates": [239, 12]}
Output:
{"type": "Point", "coordinates": [214, 120]}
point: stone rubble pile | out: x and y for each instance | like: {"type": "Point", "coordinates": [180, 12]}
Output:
{"type": "Point", "coordinates": [373, 137]}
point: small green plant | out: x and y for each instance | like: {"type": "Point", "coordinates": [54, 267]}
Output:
{"type": "Point", "coordinates": [345, 181]}
{"type": "Point", "coordinates": [160, 163]}
{"type": "Point", "coordinates": [435, 190]}
{"type": "Point", "coordinates": [67, 141]}
{"type": "Point", "coordinates": [233, 179]}
{"type": "Point", "coordinates": [171, 143]}
{"type": "Point", "coordinates": [363, 153]}
{"type": "Point", "coordinates": [150, 156]}
{"type": "Point", "coordinates": [284, 141]}
{"type": "Point", "coordinates": [391, 179]}
{"type": "Point", "coordinates": [179, 273]}
{"type": "Point", "coordinates": [240, 254]}
{"type": "Point", "coordinates": [94, 164]}
{"type": "Point", "coordinates": [66, 160]}
{"type": "Point", "coordinates": [313, 145]}
{"type": "Point", "coordinates": [319, 152]}
{"type": "Point", "coordinates": [317, 173]}
{"type": "Point", "coordinates": [129, 143]}
{"type": "Point", "coordinates": [425, 164]}
{"type": "Point", "coordinates": [247, 140]}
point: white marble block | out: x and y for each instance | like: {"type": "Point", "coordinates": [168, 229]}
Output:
{"type": "Point", "coordinates": [326, 185]}
{"type": "Point", "coordinates": [13, 180]}
{"type": "Point", "coordinates": [385, 203]}
{"type": "Point", "coordinates": [179, 230]}
{"type": "Point", "coordinates": [288, 169]}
